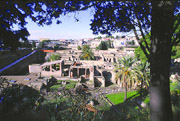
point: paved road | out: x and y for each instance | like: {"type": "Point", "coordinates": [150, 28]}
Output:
{"type": "Point", "coordinates": [17, 61]}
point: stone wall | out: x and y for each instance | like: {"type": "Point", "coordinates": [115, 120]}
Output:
{"type": "Point", "coordinates": [35, 68]}
{"type": "Point", "coordinates": [100, 80]}
{"type": "Point", "coordinates": [21, 68]}
{"type": "Point", "coordinates": [7, 57]}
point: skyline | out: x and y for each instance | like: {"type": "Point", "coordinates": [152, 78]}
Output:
{"type": "Point", "coordinates": [68, 29]}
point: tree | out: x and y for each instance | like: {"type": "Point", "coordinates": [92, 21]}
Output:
{"type": "Point", "coordinates": [117, 37]}
{"type": "Point", "coordinates": [34, 44]}
{"type": "Point", "coordinates": [175, 52]}
{"type": "Point", "coordinates": [125, 73]}
{"type": "Point", "coordinates": [141, 17]}
{"type": "Point", "coordinates": [103, 45]}
{"type": "Point", "coordinates": [25, 44]}
{"type": "Point", "coordinates": [131, 42]}
{"type": "Point", "coordinates": [54, 57]}
{"type": "Point", "coordinates": [139, 54]}
{"type": "Point", "coordinates": [112, 37]}
{"type": "Point", "coordinates": [109, 45]}
{"type": "Point", "coordinates": [87, 53]}
{"type": "Point", "coordinates": [142, 71]}
{"type": "Point", "coordinates": [99, 37]}
{"type": "Point", "coordinates": [41, 45]}
{"type": "Point", "coordinates": [97, 47]}
{"type": "Point", "coordinates": [79, 48]}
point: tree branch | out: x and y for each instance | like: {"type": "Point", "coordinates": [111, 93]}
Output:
{"type": "Point", "coordinates": [141, 45]}
{"type": "Point", "coordinates": [142, 33]}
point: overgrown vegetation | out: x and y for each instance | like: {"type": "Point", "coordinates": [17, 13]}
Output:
{"type": "Point", "coordinates": [69, 84]}
{"type": "Point", "coordinates": [20, 103]}
{"type": "Point", "coordinates": [104, 45]}
{"type": "Point", "coordinates": [87, 53]}
{"type": "Point", "coordinates": [79, 47]}
{"type": "Point", "coordinates": [125, 74]}
{"type": "Point", "coordinates": [54, 57]}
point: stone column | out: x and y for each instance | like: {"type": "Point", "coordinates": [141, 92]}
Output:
{"type": "Point", "coordinates": [70, 73]}
{"type": "Point", "coordinates": [60, 66]}
{"type": "Point", "coordinates": [103, 83]}
{"type": "Point", "coordinates": [60, 69]}
{"type": "Point", "coordinates": [118, 82]}
{"type": "Point", "coordinates": [77, 72]}
{"type": "Point", "coordinates": [85, 73]}
{"type": "Point", "coordinates": [91, 77]}
{"type": "Point", "coordinates": [50, 68]}
{"type": "Point", "coordinates": [113, 77]}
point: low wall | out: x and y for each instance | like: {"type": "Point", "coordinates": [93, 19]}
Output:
{"type": "Point", "coordinates": [21, 68]}
{"type": "Point", "coordinates": [48, 74]}
{"type": "Point", "coordinates": [100, 79]}
{"type": "Point", "coordinates": [35, 68]}
{"type": "Point", "coordinates": [8, 57]}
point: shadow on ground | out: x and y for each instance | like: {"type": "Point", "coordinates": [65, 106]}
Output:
{"type": "Point", "coordinates": [18, 103]}
{"type": "Point", "coordinates": [130, 110]}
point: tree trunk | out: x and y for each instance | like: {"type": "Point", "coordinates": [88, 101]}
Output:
{"type": "Point", "coordinates": [141, 89]}
{"type": "Point", "coordinates": [162, 27]}
{"type": "Point", "coordinates": [125, 92]}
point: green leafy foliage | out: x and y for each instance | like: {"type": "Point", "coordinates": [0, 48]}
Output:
{"type": "Point", "coordinates": [79, 48]}
{"type": "Point", "coordinates": [54, 57]}
{"type": "Point", "coordinates": [125, 73]}
{"type": "Point", "coordinates": [97, 47]}
{"type": "Point", "coordinates": [34, 44]}
{"type": "Point", "coordinates": [69, 85]}
{"type": "Point", "coordinates": [142, 71]}
{"type": "Point", "coordinates": [175, 52]}
{"type": "Point", "coordinates": [26, 44]}
{"type": "Point", "coordinates": [87, 53]}
{"type": "Point", "coordinates": [109, 44]}
{"type": "Point", "coordinates": [16, 99]}
{"type": "Point", "coordinates": [131, 42]}
{"type": "Point", "coordinates": [71, 108]}
{"type": "Point", "coordinates": [103, 45]}
{"type": "Point", "coordinates": [41, 45]}
{"type": "Point", "coordinates": [99, 37]}
{"type": "Point", "coordinates": [139, 52]}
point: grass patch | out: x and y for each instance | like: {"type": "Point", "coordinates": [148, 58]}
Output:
{"type": "Point", "coordinates": [103, 106]}
{"type": "Point", "coordinates": [128, 111]}
{"type": "Point", "coordinates": [70, 84]}
{"type": "Point", "coordinates": [119, 97]}
{"type": "Point", "coordinates": [55, 87]}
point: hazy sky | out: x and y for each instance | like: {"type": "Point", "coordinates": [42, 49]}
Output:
{"type": "Point", "coordinates": [68, 29]}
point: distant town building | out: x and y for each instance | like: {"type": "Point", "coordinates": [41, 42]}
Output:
{"type": "Point", "coordinates": [41, 39]}
{"type": "Point", "coordinates": [95, 43]}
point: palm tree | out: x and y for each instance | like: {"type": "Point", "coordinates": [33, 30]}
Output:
{"type": "Point", "coordinates": [125, 73]}
{"type": "Point", "coordinates": [142, 70]}
{"type": "Point", "coordinates": [87, 53]}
